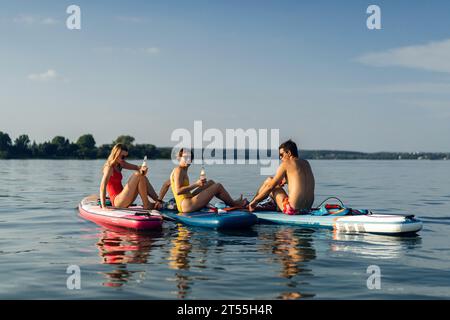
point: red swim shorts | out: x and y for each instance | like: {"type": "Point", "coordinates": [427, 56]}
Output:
{"type": "Point", "coordinates": [287, 208]}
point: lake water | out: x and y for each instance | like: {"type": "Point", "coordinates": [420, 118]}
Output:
{"type": "Point", "coordinates": [41, 234]}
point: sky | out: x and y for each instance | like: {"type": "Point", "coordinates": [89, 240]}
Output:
{"type": "Point", "coordinates": [311, 69]}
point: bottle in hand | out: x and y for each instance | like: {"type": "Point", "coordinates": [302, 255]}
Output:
{"type": "Point", "coordinates": [203, 174]}
{"type": "Point", "coordinates": [144, 167]}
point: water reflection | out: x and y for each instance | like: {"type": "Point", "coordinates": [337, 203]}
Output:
{"type": "Point", "coordinates": [292, 248]}
{"type": "Point", "coordinates": [179, 260]}
{"type": "Point", "coordinates": [188, 251]}
{"type": "Point", "coordinates": [374, 246]}
{"type": "Point", "coordinates": [121, 248]}
{"type": "Point", "coordinates": [181, 247]}
{"type": "Point", "coordinates": [192, 249]}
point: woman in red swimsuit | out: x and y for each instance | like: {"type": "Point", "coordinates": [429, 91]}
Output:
{"type": "Point", "coordinates": [138, 184]}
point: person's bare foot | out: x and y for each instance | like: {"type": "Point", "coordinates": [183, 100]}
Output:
{"type": "Point", "coordinates": [158, 205]}
{"type": "Point", "coordinates": [240, 202]}
{"type": "Point", "coordinates": [147, 207]}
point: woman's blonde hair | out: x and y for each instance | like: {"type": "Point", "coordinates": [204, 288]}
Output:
{"type": "Point", "coordinates": [114, 156]}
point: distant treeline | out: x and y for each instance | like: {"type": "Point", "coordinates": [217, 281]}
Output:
{"type": "Point", "coordinates": [85, 148]}
{"type": "Point", "coordinates": [339, 155]}
{"type": "Point", "coordinates": [351, 155]}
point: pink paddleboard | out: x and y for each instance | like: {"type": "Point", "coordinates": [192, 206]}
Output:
{"type": "Point", "coordinates": [129, 218]}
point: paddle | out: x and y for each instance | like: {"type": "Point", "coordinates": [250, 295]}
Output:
{"type": "Point", "coordinates": [135, 210]}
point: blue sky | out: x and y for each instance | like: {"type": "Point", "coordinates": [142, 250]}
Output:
{"type": "Point", "coordinates": [309, 68]}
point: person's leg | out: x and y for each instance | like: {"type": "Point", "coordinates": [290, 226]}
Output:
{"type": "Point", "coordinates": [223, 195]}
{"type": "Point", "coordinates": [143, 192]}
{"type": "Point", "coordinates": [262, 187]}
{"type": "Point", "coordinates": [278, 194]}
{"type": "Point", "coordinates": [131, 191]}
{"type": "Point", "coordinates": [150, 190]}
{"type": "Point", "coordinates": [203, 198]}
{"type": "Point", "coordinates": [208, 184]}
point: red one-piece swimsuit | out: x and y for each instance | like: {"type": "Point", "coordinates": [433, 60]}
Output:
{"type": "Point", "coordinates": [114, 186]}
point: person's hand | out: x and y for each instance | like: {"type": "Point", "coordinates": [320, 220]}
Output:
{"type": "Point", "coordinates": [200, 182]}
{"type": "Point", "coordinates": [252, 206]}
{"type": "Point", "coordinates": [143, 170]}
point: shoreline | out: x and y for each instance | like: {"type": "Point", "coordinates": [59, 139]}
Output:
{"type": "Point", "coordinates": [305, 158]}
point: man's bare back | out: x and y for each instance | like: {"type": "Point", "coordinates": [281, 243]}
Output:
{"type": "Point", "coordinates": [301, 183]}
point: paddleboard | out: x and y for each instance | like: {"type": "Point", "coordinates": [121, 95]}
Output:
{"type": "Point", "coordinates": [130, 218]}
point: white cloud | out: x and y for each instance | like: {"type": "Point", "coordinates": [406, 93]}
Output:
{"type": "Point", "coordinates": [45, 76]}
{"type": "Point", "coordinates": [152, 50]}
{"type": "Point", "coordinates": [24, 19]}
{"type": "Point", "coordinates": [33, 20]}
{"type": "Point", "coordinates": [49, 21]}
{"type": "Point", "coordinates": [434, 56]}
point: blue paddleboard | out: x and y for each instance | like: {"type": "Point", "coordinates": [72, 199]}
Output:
{"type": "Point", "coordinates": [214, 220]}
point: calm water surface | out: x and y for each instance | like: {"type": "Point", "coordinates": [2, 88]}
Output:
{"type": "Point", "coordinates": [41, 234]}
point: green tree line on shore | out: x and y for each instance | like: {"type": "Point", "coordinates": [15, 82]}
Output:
{"type": "Point", "coordinates": [84, 148]}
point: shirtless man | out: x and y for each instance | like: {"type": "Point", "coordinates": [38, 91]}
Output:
{"type": "Point", "coordinates": [297, 174]}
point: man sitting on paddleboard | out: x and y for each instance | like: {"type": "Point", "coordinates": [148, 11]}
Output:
{"type": "Point", "coordinates": [297, 173]}
{"type": "Point", "coordinates": [138, 184]}
{"type": "Point", "coordinates": [196, 196]}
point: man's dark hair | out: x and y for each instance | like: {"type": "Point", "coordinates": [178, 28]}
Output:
{"type": "Point", "coordinates": [290, 146]}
